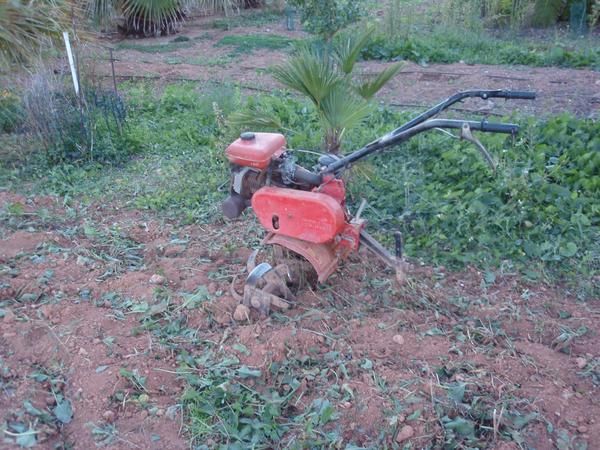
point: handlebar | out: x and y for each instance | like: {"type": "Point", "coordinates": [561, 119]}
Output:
{"type": "Point", "coordinates": [419, 124]}
{"type": "Point", "coordinates": [395, 137]}
{"type": "Point", "coordinates": [522, 95]}
{"type": "Point", "coordinates": [483, 94]}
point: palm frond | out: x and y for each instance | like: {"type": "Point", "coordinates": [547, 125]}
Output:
{"type": "Point", "coordinates": [347, 49]}
{"type": "Point", "coordinates": [309, 72]}
{"type": "Point", "coordinates": [101, 11]}
{"type": "Point", "coordinates": [151, 16]}
{"type": "Point", "coordinates": [255, 120]}
{"type": "Point", "coordinates": [370, 87]}
{"type": "Point", "coordinates": [228, 7]}
{"type": "Point", "coordinates": [25, 27]}
{"type": "Point", "coordinates": [341, 109]}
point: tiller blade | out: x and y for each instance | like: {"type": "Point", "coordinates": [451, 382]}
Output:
{"type": "Point", "coordinates": [266, 287]}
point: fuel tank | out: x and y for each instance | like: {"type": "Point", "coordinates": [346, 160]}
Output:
{"type": "Point", "coordinates": [255, 149]}
{"type": "Point", "coordinates": [309, 216]}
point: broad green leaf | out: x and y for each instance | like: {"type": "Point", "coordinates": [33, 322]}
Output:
{"type": "Point", "coordinates": [63, 411]}
{"type": "Point", "coordinates": [27, 439]}
{"type": "Point", "coordinates": [462, 427]}
{"type": "Point", "coordinates": [569, 250]}
{"type": "Point", "coordinates": [456, 392]}
{"type": "Point", "coordinates": [246, 372]}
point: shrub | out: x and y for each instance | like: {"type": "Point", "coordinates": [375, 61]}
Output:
{"type": "Point", "coordinates": [11, 111]}
{"type": "Point", "coordinates": [72, 129]}
{"type": "Point", "coordinates": [327, 17]}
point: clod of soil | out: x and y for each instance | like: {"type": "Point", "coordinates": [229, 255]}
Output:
{"type": "Point", "coordinates": [157, 279]}
{"type": "Point", "coordinates": [241, 313]}
{"type": "Point", "coordinates": [398, 339]}
{"type": "Point", "coordinates": [405, 433]}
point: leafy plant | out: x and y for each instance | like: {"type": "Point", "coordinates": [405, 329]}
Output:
{"type": "Point", "coordinates": [249, 42]}
{"type": "Point", "coordinates": [327, 17]}
{"type": "Point", "coordinates": [325, 76]}
{"type": "Point", "coordinates": [449, 45]}
{"type": "Point", "coordinates": [11, 111]}
{"type": "Point", "coordinates": [70, 128]}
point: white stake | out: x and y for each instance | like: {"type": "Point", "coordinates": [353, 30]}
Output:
{"type": "Point", "coordinates": [71, 62]}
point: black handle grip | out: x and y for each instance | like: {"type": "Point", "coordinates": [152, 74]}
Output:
{"type": "Point", "coordinates": [493, 127]}
{"type": "Point", "coordinates": [304, 176]}
{"type": "Point", "coordinates": [523, 95]}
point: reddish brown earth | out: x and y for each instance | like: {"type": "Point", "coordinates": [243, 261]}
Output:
{"type": "Point", "coordinates": [518, 347]}
{"type": "Point", "coordinates": [559, 90]}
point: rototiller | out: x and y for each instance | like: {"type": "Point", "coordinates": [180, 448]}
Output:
{"type": "Point", "coordinates": [305, 212]}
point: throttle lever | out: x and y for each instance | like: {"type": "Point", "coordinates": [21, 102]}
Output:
{"type": "Point", "coordinates": [465, 133]}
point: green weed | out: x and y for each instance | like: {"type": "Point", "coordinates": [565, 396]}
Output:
{"type": "Point", "coordinates": [246, 19]}
{"type": "Point", "coordinates": [165, 47]}
{"type": "Point", "coordinates": [449, 45]}
{"type": "Point", "coordinates": [250, 42]}
{"type": "Point", "coordinates": [231, 405]}
{"type": "Point", "coordinates": [537, 213]}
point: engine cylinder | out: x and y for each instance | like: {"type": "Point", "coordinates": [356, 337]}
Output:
{"type": "Point", "coordinates": [233, 206]}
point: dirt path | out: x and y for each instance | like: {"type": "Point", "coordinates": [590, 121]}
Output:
{"type": "Point", "coordinates": [559, 90]}
{"type": "Point", "coordinates": [100, 308]}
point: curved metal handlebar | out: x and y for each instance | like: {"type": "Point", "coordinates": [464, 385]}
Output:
{"type": "Point", "coordinates": [422, 122]}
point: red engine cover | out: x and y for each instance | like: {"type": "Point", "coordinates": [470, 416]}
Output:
{"type": "Point", "coordinates": [256, 150]}
{"type": "Point", "coordinates": [309, 216]}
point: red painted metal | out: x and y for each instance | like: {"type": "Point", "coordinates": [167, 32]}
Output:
{"type": "Point", "coordinates": [322, 257]}
{"type": "Point", "coordinates": [349, 238]}
{"type": "Point", "coordinates": [257, 152]}
{"type": "Point", "coordinates": [309, 216]}
{"type": "Point", "coordinates": [334, 187]}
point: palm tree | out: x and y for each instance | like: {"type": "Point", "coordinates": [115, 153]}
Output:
{"type": "Point", "coordinates": [325, 75]}
{"type": "Point", "coordinates": [152, 17]}
{"type": "Point", "coordinates": [27, 26]}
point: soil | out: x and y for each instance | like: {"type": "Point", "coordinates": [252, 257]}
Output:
{"type": "Point", "coordinates": [505, 340]}
{"type": "Point", "coordinates": [66, 334]}
{"type": "Point", "coordinates": [417, 87]}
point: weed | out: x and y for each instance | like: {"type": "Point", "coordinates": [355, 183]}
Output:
{"type": "Point", "coordinates": [114, 248]}
{"type": "Point", "coordinates": [219, 61]}
{"type": "Point", "coordinates": [222, 406]}
{"type": "Point", "coordinates": [33, 424]}
{"type": "Point", "coordinates": [246, 19]}
{"type": "Point", "coordinates": [248, 43]}
{"type": "Point", "coordinates": [592, 370]}
{"type": "Point", "coordinates": [137, 381]}
{"type": "Point", "coordinates": [453, 45]}
{"type": "Point", "coordinates": [74, 129]}
{"type": "Point", "coordinates": [165, 47]}
{"type": "Point", "coordinates": [11, 111]}
{"type": "Point", "coordinates": [105, 434]}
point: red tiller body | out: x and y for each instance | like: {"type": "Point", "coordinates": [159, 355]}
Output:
{"type": "Point", "coordinates": [305, 211]}
{"type": "Point", "coordinates": [310, 216]}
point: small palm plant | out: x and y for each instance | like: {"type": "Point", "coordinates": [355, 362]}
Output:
{"type": "Point", "coordinates": [325, 75]}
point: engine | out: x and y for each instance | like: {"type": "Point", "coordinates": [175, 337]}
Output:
{"type": "Point", "coordinates": [250, 157]}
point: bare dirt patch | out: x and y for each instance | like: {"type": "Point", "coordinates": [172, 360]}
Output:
{"type": "Point", "coordinates": [510, 358]}
{"type": "Point", "coordinates": [559, 90]}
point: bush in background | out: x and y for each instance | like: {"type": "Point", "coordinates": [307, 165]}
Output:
{"type": "Point", "coordinates": [11, 111]}
{"type": "Point", "coordinates": [73, 129]}
{"type": "Point", "coordinates": [327, 17]}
